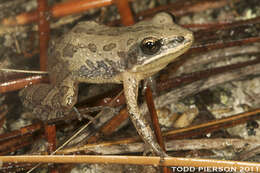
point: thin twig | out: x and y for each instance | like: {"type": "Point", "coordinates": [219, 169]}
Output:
{"type": "Point", "coordinates": [136, 160]}
{"type": "Point", "coordinates": [16, 84]}
{"type": "Point", "coordinates": [126, 15]}
{"type": "Point", "coordinates": [58, 10]}
{"type": "Point", "coordinates": [23, 71]}
{"type": "Point", "coordinates": [154, 117]}
{"type": "Point", "coordinates": [43, 32]}
{"type": "Point", "coordinates": [214, 125]}
{"type": "Point", "coordinates": [128, 146]}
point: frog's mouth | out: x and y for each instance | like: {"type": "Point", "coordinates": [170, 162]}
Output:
{"type": "Point", "coordinates": [168, 54]}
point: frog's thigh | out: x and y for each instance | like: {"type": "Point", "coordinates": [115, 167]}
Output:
{"type": "Point", "coordinates": [41, 99]}
{"type": "Point", "coordinates": [36, 95]}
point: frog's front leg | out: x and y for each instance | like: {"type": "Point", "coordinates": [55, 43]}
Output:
{"type": "Point", "coordinates": [130, 83]}
{"type": "Point", "coordinates": [49, 101]}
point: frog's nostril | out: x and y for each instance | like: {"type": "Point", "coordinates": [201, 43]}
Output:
{"type": "Point", "coordinates": [178, 40]}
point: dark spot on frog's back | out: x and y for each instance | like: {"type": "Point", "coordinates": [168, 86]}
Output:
{"type": "Point", "coordinates": [139, 28]}
{"type": "Point", "coordinates": [92, 47]}
{"type": "Point", "coordinates": [130, 41]}
{"type": "Point", "coordinates": [69, 50]}
{"type": "Point", "coordinates": [109, 47]}
{"type": "Point", "coordinates": [109, 32]}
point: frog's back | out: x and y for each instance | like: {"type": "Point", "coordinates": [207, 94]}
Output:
{"type": "Point", "coordinates": [96, 53]}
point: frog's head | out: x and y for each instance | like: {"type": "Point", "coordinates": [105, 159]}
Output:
{"type": "Point", "coordinates": [160, 43]}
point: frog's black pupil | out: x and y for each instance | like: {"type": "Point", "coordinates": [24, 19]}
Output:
{"type": "Point", "coordinates": [150, 46]}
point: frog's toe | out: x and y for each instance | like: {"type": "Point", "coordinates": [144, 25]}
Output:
{"type": "Point", "coordinates": [162, 157]}
{"type": "Point", "coordinates": [68, 97]}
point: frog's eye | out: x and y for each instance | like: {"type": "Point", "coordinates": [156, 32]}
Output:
{"type": "Point", "coordinates": [150, 45]}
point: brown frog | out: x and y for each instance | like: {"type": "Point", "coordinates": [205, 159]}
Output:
{"type": "Point", "coordinates": [95, 53]}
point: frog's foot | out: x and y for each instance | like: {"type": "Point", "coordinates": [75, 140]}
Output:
{"type": "Point", "coordinates": [148, 151]}
{"type": "Point", "coordinates": [78, 113]}
{"type": "Point", "coordinates": [162, 156]}
{"type": "Point", "coordinates": [81, 116]}
{"type": "Point", "coordinates": [158, 150]}
{"type": "Point", "coordinates": [84, 112]}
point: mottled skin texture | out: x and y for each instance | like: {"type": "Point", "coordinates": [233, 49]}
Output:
{"type": "Point", "coordinates": [95, 53]}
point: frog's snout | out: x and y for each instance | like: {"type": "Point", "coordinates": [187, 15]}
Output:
{"type": "Point", "coordinates": [189, 38]}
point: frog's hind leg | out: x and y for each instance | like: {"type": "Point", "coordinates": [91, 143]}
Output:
{"type": "Point", "coordinates": [42, 99]}
{"type": "Point", "coordinates": [50, 101]}
{"type": "Point", "coordinates": [139, 121]}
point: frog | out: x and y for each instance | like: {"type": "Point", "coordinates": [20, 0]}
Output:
{"type": "Point", "coordinates": [95, 53]}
